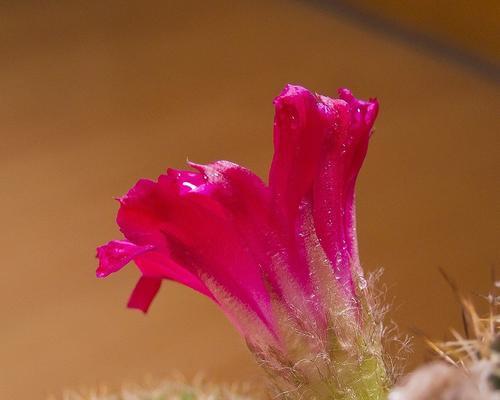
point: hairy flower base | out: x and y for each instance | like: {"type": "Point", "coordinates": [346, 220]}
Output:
{"type": "Point", "coordinates": [351, 364]}
{"type": "Point", "coordinates": [336, 375]}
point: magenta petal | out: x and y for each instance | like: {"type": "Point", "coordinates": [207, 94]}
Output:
{"type": "Point", "coordinates": [264, 254]}
{"type": "Point", "coordinates": [334, 211]}
{"type": "Point", "coordinates": [320, 144]}
{"type": "Point", "coordinates": [144, 293]}
{"type": "Point", "coordinates": [114, 255]}
{"type": "Point", "coordinates": [248, 202]}
{"type": "Point", "coordinates": [190, 227]}
{"type": "Point", "coordinates": [207, 243]}
{"type": "Point", "coordinates": [140, 214]}
{"type": "Point", "coordinates": [159, 265]}
{"type": "Point", "coordinates": [363, 113]}
{"type": "Point", "coordinates": [299, 129]}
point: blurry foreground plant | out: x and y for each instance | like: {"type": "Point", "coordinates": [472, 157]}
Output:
{"type": "Point", "coordinates": [470, 369]}
{"type": "Point", "coordinates": [174, 389]}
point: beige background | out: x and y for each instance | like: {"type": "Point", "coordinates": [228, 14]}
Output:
{"type": "Point", "coordinates": [94, 95]}
{"type": "Point", "coordinates": [461, 24]}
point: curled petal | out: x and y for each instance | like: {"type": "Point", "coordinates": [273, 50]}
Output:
{"type": "Point", "coordinates": [114, 255]}
{"type": "Point", "coordinates": [320, 144]}
{"type": "Point", "coordinates": [363, 113]}
{"type": "Point", "coordinates": [153, 264]}
{"type": "Point", "coordinates": [300, 125]}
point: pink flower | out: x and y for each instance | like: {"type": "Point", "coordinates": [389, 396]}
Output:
{"type": "Point", "coordinates": [268, 255]}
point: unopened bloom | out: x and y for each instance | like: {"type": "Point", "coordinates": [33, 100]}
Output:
{"type": "Point", "coordinates": [281, 260]}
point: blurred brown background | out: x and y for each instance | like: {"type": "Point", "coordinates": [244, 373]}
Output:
{"type": "Point", "coordinates": [94, 95]}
